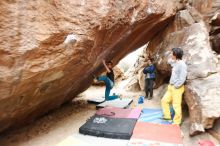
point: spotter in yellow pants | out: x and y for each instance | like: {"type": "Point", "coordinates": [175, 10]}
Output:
{"type": "Point", "coordinates": [173, 96]}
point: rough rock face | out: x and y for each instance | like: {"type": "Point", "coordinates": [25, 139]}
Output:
{"type": "Point", "coordinates": [38, 72]}
{"type": "Point", "coordinates": [209, 10]}
{"type": "Point", "coordinates": [204, 109]}
{"type": "Point", "coordinates": [215, 32]}
{"type": "Point", "coordinates": [201, 5]}
{"type": "Point", "coordinates": [215, 21]}
{"type": "Point", "coordinates": [215, 40]}
{"type": "Point", "coordinates": [211, 15]}
{"type": "Point", "coordinates": [215, 131]}
{"type": "Point", "coordinates": [133, 84]}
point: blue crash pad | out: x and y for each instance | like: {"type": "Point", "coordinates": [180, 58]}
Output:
{"type": "Point", "coordinates": [153, 116]}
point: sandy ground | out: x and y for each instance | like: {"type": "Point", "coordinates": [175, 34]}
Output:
{"type": "Point", "coordinates": [65, 121]}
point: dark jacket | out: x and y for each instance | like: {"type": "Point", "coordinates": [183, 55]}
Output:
{"type": "Point", "coordinates": [111, 75]}
{"type": "Point", "coordinates": [151, 70]}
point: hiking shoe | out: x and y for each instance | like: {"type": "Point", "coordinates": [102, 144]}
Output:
{"type": "Point", "coordinates": [150, 98]}
{"type": "Point", "coordinates": [167, 120]}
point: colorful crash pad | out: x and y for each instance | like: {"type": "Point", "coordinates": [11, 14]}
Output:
{"type": "Point", "coordinates": [152, 116]}
{"type": "Point", "coordinates": [101, 126]}
{"type": "Point", "coordinates": [115, 112]}
{"type": "Point", "coordinates": [120, 103]}
{"type": "Point", "coordinates": [146, 134]}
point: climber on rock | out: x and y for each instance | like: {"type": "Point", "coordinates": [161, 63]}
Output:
{"type": "Point", "coordinates": [149, 72]}
{"type": "Point", "coordinates": [108, 79]}
{"type": "Point", "coordinates": [176, 87]}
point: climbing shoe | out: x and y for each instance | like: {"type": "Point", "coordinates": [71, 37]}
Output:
{"type": "Point", "coordinates": [167, 120]}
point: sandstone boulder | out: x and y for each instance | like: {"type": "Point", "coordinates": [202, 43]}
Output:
{"type": "Point", "coordinates": [215, 21]}
{"type": "Point", "coordinates": [215, 41]}
{"type": "Point", "coordinates": [39, 72]}
{"type": "Point", "coordinates": [215, 131]}
{"type": "Point", "coordinates": [133, 84]}
{"type": "Point", "coordinates": [202, 97]}
{"type": "Point", "coordinates": [201, 5]}
{"type": "Point", "coordinates": [215, 32]}
{"type": "Point", "coordinates": [209, 10]}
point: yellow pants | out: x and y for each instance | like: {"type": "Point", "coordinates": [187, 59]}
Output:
{"type": "Point", "coordinates": [173, 96]}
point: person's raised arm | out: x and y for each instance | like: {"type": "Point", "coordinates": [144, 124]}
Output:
{"type": "Point", "coordinates": [106, 67]}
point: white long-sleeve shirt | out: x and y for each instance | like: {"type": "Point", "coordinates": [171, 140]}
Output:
{"type": "Point", "coordinates": [179, 73]}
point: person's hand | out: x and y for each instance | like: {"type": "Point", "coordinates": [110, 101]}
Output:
{"type": "Point", "coordinates": [170, 56]}
{"type": "Point", "coordinates": [103, 60]}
